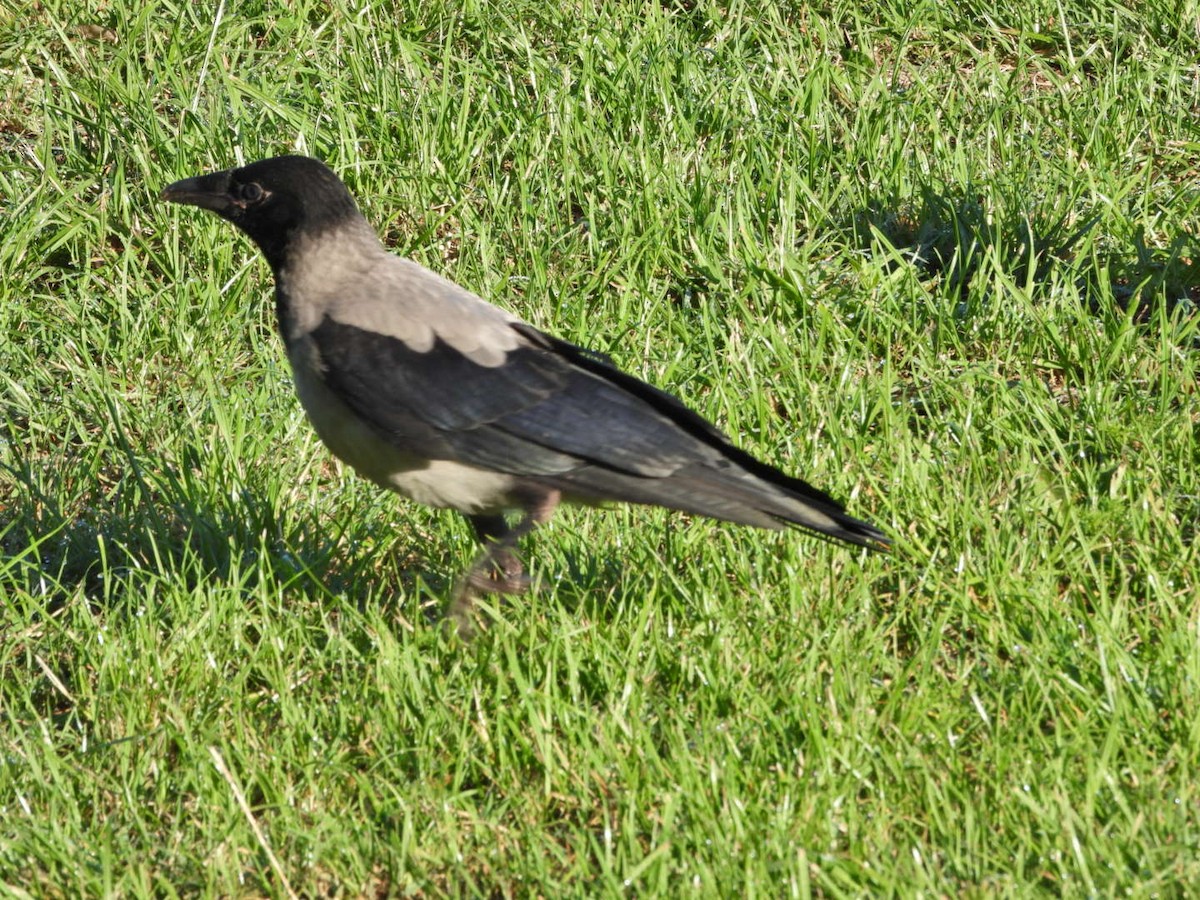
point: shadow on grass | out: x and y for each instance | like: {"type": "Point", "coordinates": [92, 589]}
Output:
{"type": "Point", "coordinates": [182, 522]}
{"type": "Point", "coordinates": [954, 238]}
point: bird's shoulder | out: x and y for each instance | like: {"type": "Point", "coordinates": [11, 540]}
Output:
{"type": "Point", "coordinates": [396, 298]}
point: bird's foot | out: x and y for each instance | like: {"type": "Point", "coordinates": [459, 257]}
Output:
{"type": "Point", "coordinates": [499, 572]}
{"type": "Point", "coordinates": [500, 581]}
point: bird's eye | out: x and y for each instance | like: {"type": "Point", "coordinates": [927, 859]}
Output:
{"type": "Point", "coordinates": [251, 192]}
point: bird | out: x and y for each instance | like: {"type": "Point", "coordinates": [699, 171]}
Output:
{"type": "Point", "coordinates": [428, 390]}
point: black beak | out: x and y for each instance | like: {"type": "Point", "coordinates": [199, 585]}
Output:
{"type": "Point", "coordinates": [205, 191]}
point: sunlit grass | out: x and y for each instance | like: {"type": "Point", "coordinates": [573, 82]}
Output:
{"type": "Point", "coordinates": [941, 261]}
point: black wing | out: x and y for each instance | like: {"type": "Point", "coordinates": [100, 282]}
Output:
{"type": "Point", "coordinates": [569, 418]}
{"type": "Point", "coordinates": [549, 407]}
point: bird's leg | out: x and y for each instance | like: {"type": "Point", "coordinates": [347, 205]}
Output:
{"type": "Point", "coordinates": [497, 569]}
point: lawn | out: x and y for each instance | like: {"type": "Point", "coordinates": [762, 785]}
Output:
{"type": "Point", "coordinates": [940, 260]}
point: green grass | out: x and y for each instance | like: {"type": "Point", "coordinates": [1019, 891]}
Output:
{"type": "Point", "coordinates": [939, 259]}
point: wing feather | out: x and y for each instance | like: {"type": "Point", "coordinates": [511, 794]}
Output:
{"type": "Point", "coordinates": [536, 412]}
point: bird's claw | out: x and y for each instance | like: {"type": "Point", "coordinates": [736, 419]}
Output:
{"type": "Point", "coordinates": [511, 583]}
{"type": "Point", "coordinates": [502, 574]}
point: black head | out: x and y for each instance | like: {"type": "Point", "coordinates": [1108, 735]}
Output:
{"type": "Point", "coordinates": [274, 201]}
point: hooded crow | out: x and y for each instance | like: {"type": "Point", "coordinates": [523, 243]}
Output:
{"type": "Point", "coordinates": [431, 392]}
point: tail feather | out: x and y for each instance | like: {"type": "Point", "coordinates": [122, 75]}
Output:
{"type": "Point", "coordinates": [731, 495]}
{"type": "Point", "coordinates": [725, 482]}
